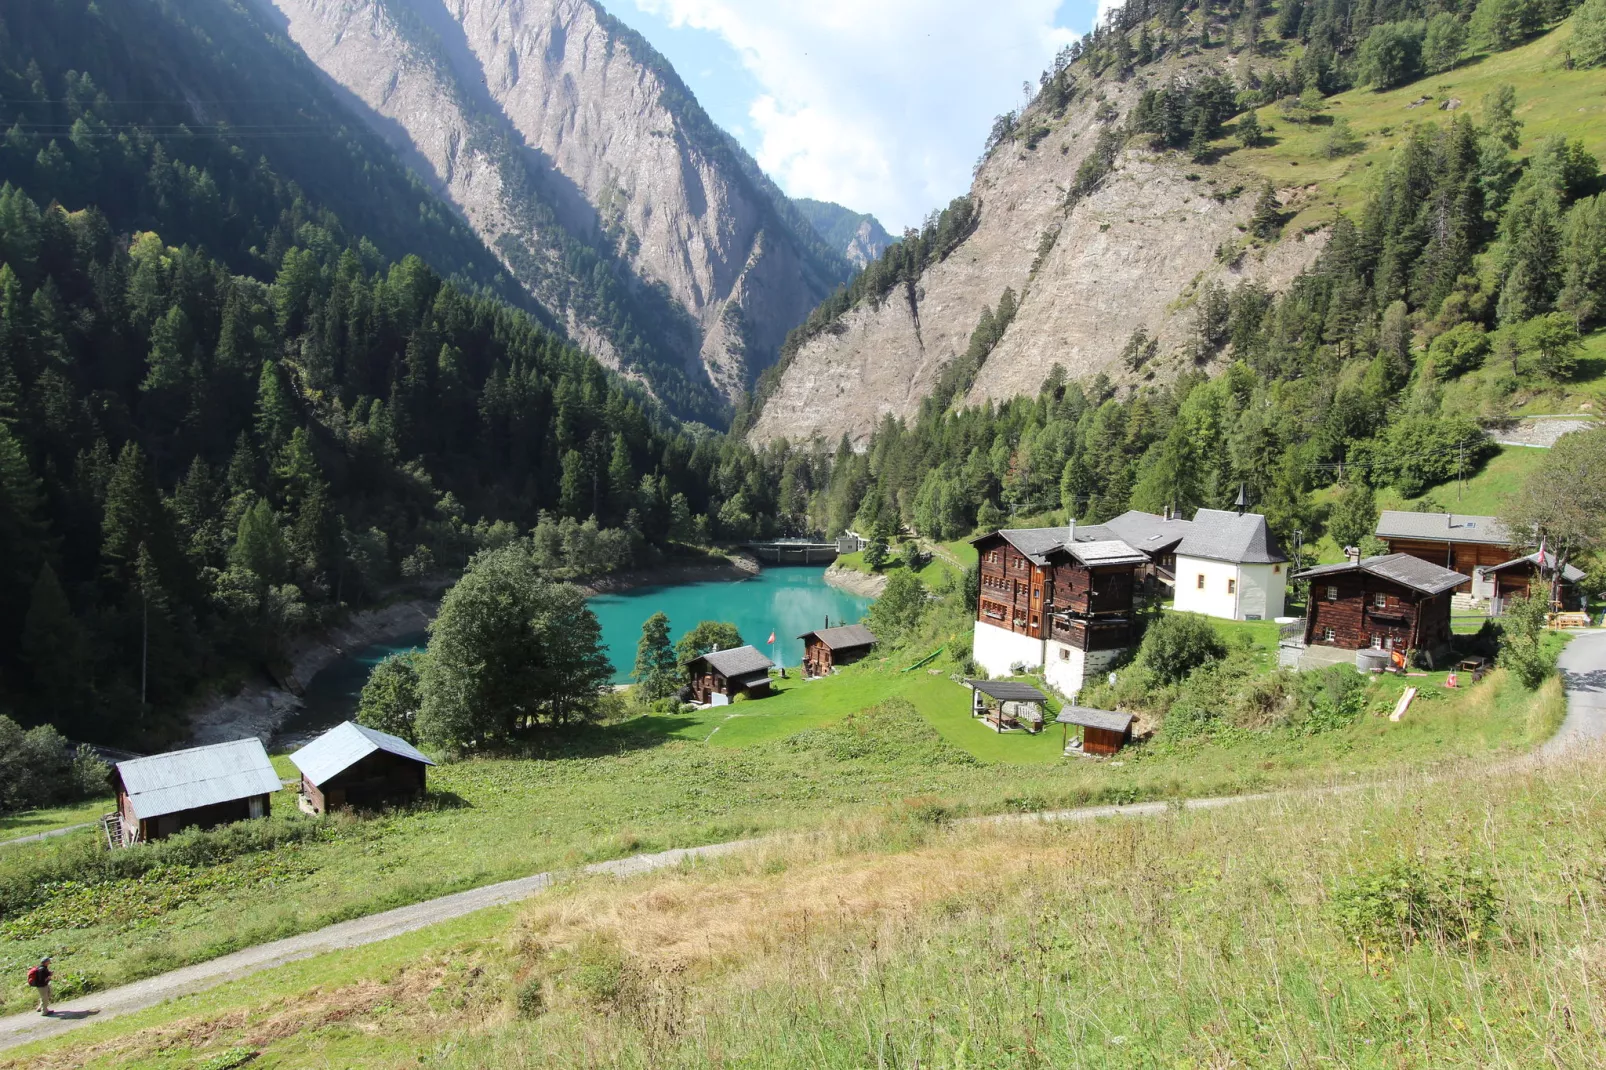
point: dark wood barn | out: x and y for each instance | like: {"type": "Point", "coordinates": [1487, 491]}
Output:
{"type": "Point", "coordinates": [719, 676]}
{"type": "Point", "coordinates": [1103, 732]}
{"type": "Point", "coordinates": [1089, 591]}
{"type": "Point", "coordinates": [1390, 602]}
{"type": "Point", "coordinates": [1014, 570]}
{"type": "Point", "coordinates": [363, 768]}
{"type": "Point", "coordinates": [1460, 542]}
{"type": "Point", "coordinates": [201, 787]}
{"type": "Point", "coordinates": [827, 648]}
{"type": "Point", "coordinates": [1515, 578]}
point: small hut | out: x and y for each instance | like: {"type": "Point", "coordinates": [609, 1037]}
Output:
{"type": "Point", "coordinates": [364, 768]}
{"type": "Point", "coordinates": [720, 675]}
{"type": "Point", "coordinates": [1012, 705]}
{"type": "Point", "coordinates": [1538, 571]}
{"type": "Point", "coordinates": [1103, 731]}
{"type": "Point", "coordinates": [825, 649]}
{"type": "Point", "coordinates": [201, 787]}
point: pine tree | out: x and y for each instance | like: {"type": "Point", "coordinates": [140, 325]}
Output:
{"type": "Point", "coordinates": [621, 479]}
{"type": "Point", "coordinates": [656, 673]}
{"type": "Point", "coordinates": [1199, 142]}
{"type": "Point", "coordinates": [1267, 221]}
{"type": "Point", "coordinates": [276, 414]}
{"type": "Point", "coordinates": [259, 546]}
{"type": "Point", "coordinates": [22, 530]}
{"type": "Point", "coordinates": [53, 650]}
{"type": "Point", "coordinates": [1249, 132]}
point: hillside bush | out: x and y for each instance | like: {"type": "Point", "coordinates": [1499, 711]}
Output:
{"type": "Point", "coordinates": [1178, 643]}
{"type": "Point", "coordinates": [1391, 55]}
{"type": "Point", "coordinates": [1588, 44]}
{"type": "Point", "coordinates": [1402, 902]}
{"type": "Point", "coordinates": [38, 768]}
{"type": "Point", "coordinates": [390, 698]}
{"type": "Point", "coordinates": [1522, 640]}
{"type": "Point", "coordinates": [1459, 350]}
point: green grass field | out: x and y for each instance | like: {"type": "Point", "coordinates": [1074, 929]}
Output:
{"type": "Point", "coordinates": [1550, 100]}
{"type": "Point", "coordinates": [29, 822]}
{"type": "Point", "coordinates": [1260, 935]}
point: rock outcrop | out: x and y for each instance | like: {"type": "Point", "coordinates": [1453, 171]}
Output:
{"type": "Point", "coordinates": [578, 155]}
{"type": "Point", "coordinates": [1129, 256]}
{"type": "Point", "coordinates": [859, 237]}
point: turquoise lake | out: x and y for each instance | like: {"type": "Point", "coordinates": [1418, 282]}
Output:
{"type": "Point", "coordinates": [787, 599]}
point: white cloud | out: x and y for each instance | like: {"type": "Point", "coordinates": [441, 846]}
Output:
{"type": "Point", "coordinates": [881, 105]}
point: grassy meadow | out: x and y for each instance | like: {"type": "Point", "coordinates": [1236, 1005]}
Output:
{"type": "Point", "coordinates": [871, 741]}
{"type": "Point", "coordinates": [1422, 921]}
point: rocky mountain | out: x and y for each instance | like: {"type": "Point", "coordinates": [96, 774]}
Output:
{"type": "Point", "coordinates": [858, 236]}
{"type": "Point", "coordinates": [581, 158]}
{"type": "Point", "coordinates": [1084, 273]}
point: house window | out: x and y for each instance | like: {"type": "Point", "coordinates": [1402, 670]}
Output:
{"type": "Point", "coordinates": [1232, 586]}
{"type": "Point", "coordinates": [1380, 600]}
{"type": "Point", "coordinates": [1329, 635]}
{"type": "Point", "coordinates": [1037, 595]}
{"type": "Point", "coordinates": [1275, 569]}
{"type": "Point", "coordinates": [1377, 642]}
{"type": "Point", "coordinates": [1332, 593]}
{"type": "Point", "coordinates": [1199, 584]}
{"type": "Point", "coordinates": [1065, 654]}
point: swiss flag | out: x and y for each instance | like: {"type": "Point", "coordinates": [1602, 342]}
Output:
{"type": "Point", "coordinates": [772, 639]}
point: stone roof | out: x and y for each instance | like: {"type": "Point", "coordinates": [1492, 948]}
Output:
{"type": "Point", "coordinates": [844, 637]}
{"type": "Point", "coordinates": [1545, 564]}
{"type": "Point", "coordinates": [1143, 531]}
{"type": "Point", "coordinates": [200, 776]}
{"type": "Point", "coordinates": [1105, 552]}
{"type": "Point", "coordinates": [1219, 535]}
{"type": "Point", "coordinates": [1035, 543]}
{"type": "Point", "coordinates": [1403, 569]}
{"type": "Point", "coordinates": [1442, 527]}
{"type": "Point", "coordinates": [1088, 717]}
{"type": "Point", "coordinates": [738, 661]}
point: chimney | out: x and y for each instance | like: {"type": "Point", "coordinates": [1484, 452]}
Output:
{"type": "Point", "coordinates": [1070, 532]}
{"type": "Point", "coordinates": [1353, 553]}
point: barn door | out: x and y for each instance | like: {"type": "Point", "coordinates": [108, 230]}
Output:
{"type": "Point", "coordinates": [258, 806]}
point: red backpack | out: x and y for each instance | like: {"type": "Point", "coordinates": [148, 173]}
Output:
{"type": "Point", "coordinates": [36, 977]}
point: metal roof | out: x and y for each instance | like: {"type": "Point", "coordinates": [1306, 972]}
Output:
{"type": "Point", "coordinates": [200, 776]}
{"type": "Point", "coordinates": [1545, 564]}
{"type": "Point", "coordinates": [843, 637]}
{"type": "Point", "coordinates": [1008, 690]}
{"type": "Point", "coordinates": [737, 661]}
{"type": "Point", "coordinates": [1088, 717]}
{"type": "Point", "coordinates": [1403, 569]}
{"type": "Point", "coordinates": [1219, 535]}
{"type": "Point", "coordinates": [1106, 552]}
{"type": "Point", "coordinates": [346, 744]}
{"type": "Point", "coordinates": [1442, 527]}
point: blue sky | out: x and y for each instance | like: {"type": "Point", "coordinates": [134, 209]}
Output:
{"type": "Point", "coordinates": [881, 105]}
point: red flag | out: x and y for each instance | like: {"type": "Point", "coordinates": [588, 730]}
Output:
{"type": "Point", "coordinates": [772, 639]}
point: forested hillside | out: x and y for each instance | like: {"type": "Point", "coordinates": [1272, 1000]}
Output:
{"type": "Point", "coordinates": [1468, 277]}
{"type": "Point", "coordinates": [230, 405]}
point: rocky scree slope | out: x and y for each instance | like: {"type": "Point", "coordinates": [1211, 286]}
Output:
{"type": "Point", "coordinates": [579, 156]}
{"type": "Point", "coordinates": [1129, 256]}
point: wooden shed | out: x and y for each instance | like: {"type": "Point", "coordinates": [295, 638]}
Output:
{"type": "Point", "coordinates": [201, 787]}
{"type": "Point", "coordinates": [1389, 602]}
{"type": "Point", "coordinates": [363, 768]}
{"type": "Point", "coordinates": [1515, 578]}
{"type": "Point", "coordinates": [827, 648]}
{"type": "Point", "coordinates": [1012, 705]}
{"type": "Point", "coordinates": [1103, 732]}
{"type": "Point", "coordinates": [720, 675]}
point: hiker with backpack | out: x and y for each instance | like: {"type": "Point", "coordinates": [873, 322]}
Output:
{"type": "Point", "coordinates": [39, 981]}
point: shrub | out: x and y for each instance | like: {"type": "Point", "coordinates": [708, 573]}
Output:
{"type": "Point", "coordinates": [1341, 140]}
{"type": "Point", "coordinates": [1178, 643]}
{"type": "Point", "coordinates": [1459, 350]}
{"type": "Point", "coordinates": [1332, 698]}
{"type": "Point", "coordinates": [1588, 44]}
{"type": "Point", "coordinates": [1403, 902]}
{"type": "Point", "coordinates": [530, 1000]}
{"type": "Point", "coordinates": [38, 768]}
{"type": "Point", "coordinates": [390, 699]}
{"type": "Point", "coordinates": [1522, 641]}
{"type": "Point", "coordinates": [1391, 54]}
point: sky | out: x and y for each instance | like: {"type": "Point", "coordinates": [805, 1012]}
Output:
{"type": "Point", "coordinates": [879, 105]}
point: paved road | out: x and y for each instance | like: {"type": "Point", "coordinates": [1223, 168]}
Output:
{"type": "Point", "coordinates": [37, 836]}
{"type": "Point", "coordinates": [1583, 668]}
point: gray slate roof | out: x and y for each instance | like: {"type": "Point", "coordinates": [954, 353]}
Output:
{"type": "Point", "coordinates": [738, 661]}
{"type": "Point", "coordinates": [1546, 564]}
{"type": "Point", "coordinates": [1105, 552]}
{"type": "Point", "coordinates": [1144, 531]}
{"type": "Point", "coordinates": [1219, 535]}
{"type": "Point", "coordinates": [845, 637]}
{"type": "Point", "coordinates": [200, 776]}
{"type": "Point", "coordinates": [346, 744]}
{"type": "Point", "coordinates": [1408, 571]}
{"type": "Point", "coordinates": [1442, 527]}
{"type": "Point", "coordinates": [1035, 543]}
{"type": "Point", "coordinates": [1088, 717]}
{"type": "Point", "coordinates": [1008, 690]}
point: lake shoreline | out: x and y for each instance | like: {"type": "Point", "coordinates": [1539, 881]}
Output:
{"type": "Point", "coordinates": [865, 585]}
{"type": "Point", "coordinates": [736, 566]}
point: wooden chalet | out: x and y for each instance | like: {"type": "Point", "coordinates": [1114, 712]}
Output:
{"type": "Point", "coordinates": [1014, 569]}
{"type": "Point", "coordinates": [720, 675]}
{"type": "Point", "coordinates": [363, 768]}
{"type": "Point", "coordinates": [1390, 602]}
{"type": "Point", "coordinates": [1457, 541]}
{"type": "Point", "coordinates": [201, 787]}
{"type": "Point", "coordinates": [1089, 588]}
{"type": "Point", "coordinates": [827, 648]}
{"type": "Point", "coordinates": [1005, 704]}
{"type": "Point", "coordinates": [1103, 732]}
{"type": "Point", "coordinates": [1515, 578]}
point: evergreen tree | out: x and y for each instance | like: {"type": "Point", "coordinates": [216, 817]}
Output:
{"type": "Point", "coordinates": [1445, 40]}
{"type": "Point", "coordinates": [1250, 133]}
{"type": "Point", "coordinates": [1267, 221]}
{"type": "Point", "coordinates": [1588, 44]}
{"type": "Point", "coordinates": [276, 414]}
{"type": "Point", "coordinates": [621, 478]}
{"type": "Point", "coordinates": [55, 654]}
{"type": "Point", "coordinates": [656, 673]}
{"type": "Point", "coordinates": [259, 546]}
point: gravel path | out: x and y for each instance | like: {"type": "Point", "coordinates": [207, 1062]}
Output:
{"type": "Point", "coordinates": [1583, 666]}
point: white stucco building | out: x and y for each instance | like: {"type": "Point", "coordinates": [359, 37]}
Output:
{"type": "Point", "coordinates": [1230, 566]}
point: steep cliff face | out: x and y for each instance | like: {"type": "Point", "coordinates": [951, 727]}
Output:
{"type": "Point", "coordinates": [1129, 256]}
{"type": "Point", "coordinates": [578, 155]}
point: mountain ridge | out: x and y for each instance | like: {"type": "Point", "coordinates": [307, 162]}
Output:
{"type": "Point", "coordinates": [859, 236]}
